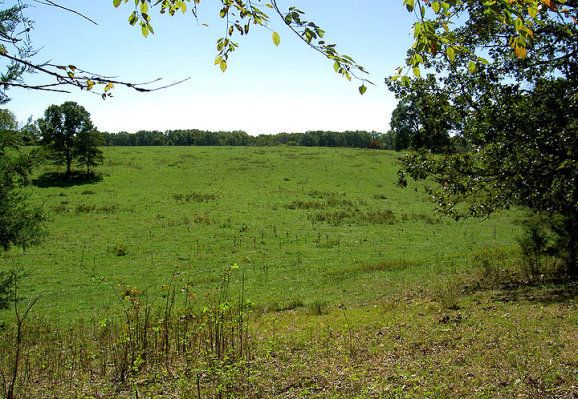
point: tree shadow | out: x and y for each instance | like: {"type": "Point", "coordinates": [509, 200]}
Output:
{"type": "Point", "coordinates": [57, 179]}
{"type": "Point", "coordinates": [561, 290]}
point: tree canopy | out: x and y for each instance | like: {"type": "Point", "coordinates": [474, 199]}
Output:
{"type": "Point", "coordinates": [68, 134]}
{"type": "Point", "coordinates": [516, 115]}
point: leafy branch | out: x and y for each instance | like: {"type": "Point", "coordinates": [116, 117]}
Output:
{"type": "Point", "coordinates": [239, 16]}
{"type": "Point", "coordinates": [16, 49]}
{"type": "Point", "coordinates": [437, 21]}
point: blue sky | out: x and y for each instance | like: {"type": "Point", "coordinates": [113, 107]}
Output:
{"type": "Point", "coordinates": [265, 90]}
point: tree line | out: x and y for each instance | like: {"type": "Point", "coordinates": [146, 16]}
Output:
{"type": "Point", "coordinates": [411, 128]}
{"type": "Point", "coordinates": [195, 137]}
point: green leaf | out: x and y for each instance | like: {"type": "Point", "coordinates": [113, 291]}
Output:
{"type": "Point", "coordinates": [362, 89]}
{"type": "Point", "coordinates": [132, 19]}
{"type": "Point", "coordinates": [336, 66]}
{"type": "Point", "coordinates": [276, 39]}
{"type": "Point", "coordinates": [472, 67]}
{"type": "Point", "coordinates": [483, 61]}
{"type": "Point", "coordinates": [451, 53]}
{"type": "Point", "coordinates": [223, 65]}
{"type": "Point", "coordinates": [416, 72]}
{"type": "Point", "coordinates": [144, 30]}
{"type": "Point", "coordinates": [116, 3]}
{"type": "Point", "coordinates": [409, 4]}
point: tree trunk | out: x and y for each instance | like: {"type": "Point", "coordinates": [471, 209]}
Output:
{"type": "Point", "coordinates": [571, 227]}
{"type": "Point", "coordinates": [68, 165]}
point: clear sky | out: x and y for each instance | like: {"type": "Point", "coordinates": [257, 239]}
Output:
{"type": "Point", "coordinates": [265, 90]}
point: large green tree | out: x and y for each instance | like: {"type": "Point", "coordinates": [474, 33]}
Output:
{"type": "Point", "coordinates": [518, 116]}
{"type": "Point", "coordinates": [68, 134]}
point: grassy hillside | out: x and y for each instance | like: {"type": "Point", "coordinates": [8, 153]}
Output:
{"type": "Point", "coordinates": [277, 273]}
{"type": "Point", "coordinates": [305, 225]}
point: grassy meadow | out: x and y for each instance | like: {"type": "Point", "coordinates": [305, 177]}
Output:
{"type": "Point", "coordinates": [285, 272]}
{"type": "Point", "coordinates": [305, 225]}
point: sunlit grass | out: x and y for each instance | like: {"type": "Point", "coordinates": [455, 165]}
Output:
{"type": "Point", "coordinates": [306, 225]}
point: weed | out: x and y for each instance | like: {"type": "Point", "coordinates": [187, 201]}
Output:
{"type": "Point", "coordinates": [195, 197]}
{"type": "Point", "coordinates": [83, 208]}
{"type": "Point", "coordinates": [60, 208]}
{"type": "Point", "coordinates": [106, 209]}
{"type": "Point", "coordinates": [388, 265]}
{"type": "Point", "coordinates": [419, 217]}
{"type": "Point", "coordinates": [492, 268]}
{"type": "Point", "coordinates": [293, 304]}
{"type": "Point", "coordinates": [380, 217]}
{"type": "Point", "coordinates": [535, 244]}
{"type": "Point", "coordinates": [306, 205]}
{"type": "Point", "coordinates": [203, 219]}
{"type": "Point", "coordinates": [334, 218]}
{"type": "Point", "coordinates": [447, 294]}
{"type": "Point", "coordinates": [119, 250]}
{"type": "Point", "coordinates": [317, 308]}
{"type": "Point", "coordinates": [353, 216]}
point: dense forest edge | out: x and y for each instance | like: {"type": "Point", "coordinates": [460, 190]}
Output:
{"type": "Point", "coordinates": [317, 138]}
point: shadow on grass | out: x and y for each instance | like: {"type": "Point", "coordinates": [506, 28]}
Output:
{"type": "Point", "coordinates": [56, 179]}
{"type": "Point", "coordinates": [561, 290]}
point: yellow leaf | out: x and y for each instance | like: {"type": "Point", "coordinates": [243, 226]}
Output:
{"type": "Point", "coordinates": [520, 52]}
{"type": "Point", "coordinates": [550, 4]}
{"type": "Point", "coordinates": [276, 39]}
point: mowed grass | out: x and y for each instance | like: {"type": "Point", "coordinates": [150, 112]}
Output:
{"type": "Point", "coordinates": [306, 226]}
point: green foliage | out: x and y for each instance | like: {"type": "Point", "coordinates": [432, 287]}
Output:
{"type": "Point", "coordinates": [514, 26]}
{"type": "Point", "coordinates": [529, 159]}
{"type": "Point", "coordinates": [8, 121]}
{"type": "Point", "coordinates": [86, 149]}
{"type": "Point", "coordinates": [194, 137]}
{"type": "Point", "coordinates": [423, 117]}
{"type": "Point", "coordinates": [516, 119]}
{"type": "Point", "coordinates": [6, 288]}
{"type": "Point", "coordinates": [534, 244]}
{"type": "Point", "coordinates": [30, 133]}
{"type": "Point", "coordinates": [21, 224]}
{"type": "Point", "coordinates": [239, 16]}
{"type": "Point", "coordinates": [68, 134]}
{"type": "Point", "coordinates": [14, 39]}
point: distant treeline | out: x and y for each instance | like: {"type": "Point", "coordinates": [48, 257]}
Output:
{"type": "Point", "coordinates": [194, 137]}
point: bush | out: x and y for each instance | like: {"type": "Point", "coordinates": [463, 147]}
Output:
{"type": "Point", "coordinates": [537, 246]}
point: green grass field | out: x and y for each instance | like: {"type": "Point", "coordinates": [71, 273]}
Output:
{"type": "Point", "coordinates": [359, 290]}
{"type": "Point", "coordinates": [306, 226]}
